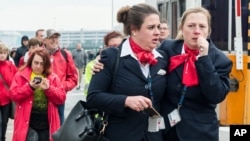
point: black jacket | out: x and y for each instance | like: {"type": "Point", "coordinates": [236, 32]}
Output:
{"type": "Point", "coordinates": [198, 117]}
{"type": "Point", "coordinates": [20, 51]}
{"type": "Point", "coordinates": [126, 124]}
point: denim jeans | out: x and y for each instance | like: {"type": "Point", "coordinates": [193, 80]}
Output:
{"type": "Point", "coordinates": [37, 135]}
{"type": "Point", "coordinates": [61, 113]}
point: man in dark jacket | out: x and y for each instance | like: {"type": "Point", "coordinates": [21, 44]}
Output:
{"type": "Point", "coordinates": [80, 60]}
{"type": "Point", "coordinates": [21, 50]}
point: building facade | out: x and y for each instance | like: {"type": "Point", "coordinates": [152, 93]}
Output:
{"type": "Point", "coordinates": [91, 40]}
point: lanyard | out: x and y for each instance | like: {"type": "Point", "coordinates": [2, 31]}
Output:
{"type": "Point", "coordinates": [182, 97]}
{"type": "Point", "coordinates": [150, 87]}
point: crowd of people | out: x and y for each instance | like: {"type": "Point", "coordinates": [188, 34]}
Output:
{"type": "Point", "coordinates": [183, 79]}
{"type": "Point", "coordinates": [36, 76]}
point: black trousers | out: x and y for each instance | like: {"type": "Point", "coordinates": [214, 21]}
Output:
{"type": "Point", "coordinates": [171, 135]}
{"type": "Point", "coordinates": [4, 118]}
{"type": "Point", "coordinates": [37, 135]}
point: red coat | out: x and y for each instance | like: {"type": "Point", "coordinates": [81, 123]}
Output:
{"type": "Point", "coordinates": [65, 69]}
{"type": "Point", "coordinates": [8, 71]}
{"type": "Point", "coordinates": [22, 94]}
{"type": "Point", "coordinates": [21, 61]}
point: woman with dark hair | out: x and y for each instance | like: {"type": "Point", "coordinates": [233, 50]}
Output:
{"type": "Point", "coordinates": [113, 39]}
{"type": "Point", "coordinates": [141, 80]}
{"type": "Point", "coordinates": [37, 93]}
{"type": "Point", "coordinates": [11, 55]}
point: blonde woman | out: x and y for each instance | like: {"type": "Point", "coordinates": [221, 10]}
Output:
{"type": "Point", "coordinates": [7, 72]}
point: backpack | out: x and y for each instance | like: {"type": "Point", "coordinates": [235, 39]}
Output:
{"type": "Point", "coordinates": [64, 54]}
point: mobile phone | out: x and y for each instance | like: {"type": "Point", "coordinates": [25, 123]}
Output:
{"type": "Point", "coordinates": [152, 112]}
{"type": "Point", "coordinates": [37, 80]}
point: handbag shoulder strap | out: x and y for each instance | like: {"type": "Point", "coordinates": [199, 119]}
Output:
{"type": "Point", "coordinates": [115, 69]}
{"type": "Point", "coordinates": [4, 83]}
{"type": "Point", "coordinates": [106, 116]}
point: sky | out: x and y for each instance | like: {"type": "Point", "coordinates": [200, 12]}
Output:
{"type": "Point", "coordinates": [60, 14]}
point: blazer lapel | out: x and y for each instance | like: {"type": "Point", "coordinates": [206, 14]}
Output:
{"type": "Point", "coordinates": [132, 65]}
{"type": "Point", "coordinates": [154, 69]}
{"type": "Point", "coordinates": [177, 51]}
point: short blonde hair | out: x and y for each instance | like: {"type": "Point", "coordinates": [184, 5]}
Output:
{"type": "Point", "coordinates": [190, 11]}
{"type": "Point", "coordinates": [3, 47]}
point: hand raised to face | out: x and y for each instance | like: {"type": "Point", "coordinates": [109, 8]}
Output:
{"type": "Point", "coordinates": [203, 44]}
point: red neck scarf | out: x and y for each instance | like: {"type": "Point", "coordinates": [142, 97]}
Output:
{"type": "Point", "coordinates": [142, 55]}
{"type": "Point", "coordinates": [189, 77]}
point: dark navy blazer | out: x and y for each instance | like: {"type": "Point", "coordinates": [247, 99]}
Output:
{"type": "Point", "coordinates": [126, 124]}
{"type": "Point", "coordinates": [199, 121]}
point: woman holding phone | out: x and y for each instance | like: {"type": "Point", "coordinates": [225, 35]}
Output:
{"type": "Point", "coordinates": [37, 93]}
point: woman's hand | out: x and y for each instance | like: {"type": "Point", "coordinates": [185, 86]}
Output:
{"type": "Point", "coordinates": [97, 65]}
{"type": "Point", "coordinates": [33, 83]}
{"type": "Point", "coordinates": [138, 103]}
{"type": "Point", "coordinates": [203, 44]}
{"type": "Point", "coordinates": [44, 84]}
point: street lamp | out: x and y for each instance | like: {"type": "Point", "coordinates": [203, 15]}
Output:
{"type": "Point", "coordinates": [112, 14]}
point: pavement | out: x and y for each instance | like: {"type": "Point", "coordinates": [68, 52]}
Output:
{"type": "Point", "coordinates": [10, 130]}
{"type": "Point", "coordinates": [224, 132]}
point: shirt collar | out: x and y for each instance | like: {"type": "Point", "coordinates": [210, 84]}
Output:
{"type": "Point", "coordinates": [126, 50]}
{"type": "Point", "coordinates": [183, 52]}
